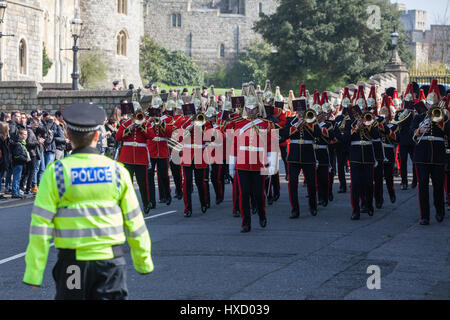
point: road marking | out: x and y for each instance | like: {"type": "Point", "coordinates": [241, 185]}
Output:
{"type": "Point", "coordinates": [20, 255]}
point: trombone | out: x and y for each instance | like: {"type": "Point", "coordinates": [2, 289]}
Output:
{"type": "Point", "coordinates": [309, 117]}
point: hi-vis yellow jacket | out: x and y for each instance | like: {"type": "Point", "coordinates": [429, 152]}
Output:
{"type": "Point", "coordinates": [86, 202]}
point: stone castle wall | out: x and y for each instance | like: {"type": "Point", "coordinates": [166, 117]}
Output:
{"type": "Point", "coordinates": [204, 28]}
{"type": "Point", "coordinates": [102, 24]}
{"type": "Point", "coordinates": [30, 95]}
{"type": "Point", "coordinates": [23, 20]}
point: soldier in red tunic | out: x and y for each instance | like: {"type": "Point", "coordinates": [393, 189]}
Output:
{"type": "Point", "coordinates": [134, 154]}
{"type": "Point", "coordinates": [191, 128]}
{"type": "Point", "coordinates": [159, 152]}
{"type": "Point", "coordinates": [251, 153]}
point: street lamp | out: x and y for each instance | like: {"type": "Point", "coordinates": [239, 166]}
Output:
{"type": "Point", "coordinates": [394, 37]}
{"type": "Point", "coordinates": [3, 6]}
{"type": "Point", "coordinates": [75, 28]}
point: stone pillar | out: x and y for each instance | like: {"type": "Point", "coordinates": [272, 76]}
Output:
{"type": "Point", "coordinates": [399, 70]}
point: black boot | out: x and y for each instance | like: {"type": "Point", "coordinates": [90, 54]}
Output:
{"type": "Point", "coordinates": [294, 214]}
{"type": "Point", "coordinates": [245, 229]}
{"type": "Point", "coordinates": [355, 216]}
{"type": "Point", "coordinates": [263, 222]}
{"type": "Point", "coordinates": [424, 222]}
{"type": "Point", "coordinates": [236, 214]}
{"type": "Point", "coordinates": [393, 198]}
{"type": "Point", "coordinates": [187, 214]}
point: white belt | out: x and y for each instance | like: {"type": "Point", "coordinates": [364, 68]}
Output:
{"type": "Point", "coordinates": [388, 145]}
{"type": "Point", "coordinates": [302, 141]}
{"type": "Point", "coordinates": [321, 147]}
{"type": "Point", "coordinates": [432, 138]}
{"type": "Point", "coordinates": [158, 139]}
{"type": "Point", "coordinates": [376, 140]}
{"type": "Point", "coordinates": [361, 143]}
{"type": "Point", "coordinates": [244, 148]}
{"type": "Point", "coordinates": [195, 146]}
{"type": "Point", "coordinates": [135, 144]}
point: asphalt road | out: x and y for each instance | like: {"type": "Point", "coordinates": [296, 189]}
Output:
{"type": "Point", "coordinates": [322, 257]}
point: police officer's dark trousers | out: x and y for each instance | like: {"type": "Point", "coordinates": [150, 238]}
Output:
{"type": "Point", "coordinates": [251, 183]}
{"type": "Point", "coordinates": [309, 171]}
{"type": "Point", "coordinates": [162, 165]}
{"type": "Point", "coordinates": [388, 173]}
{"type": "Point", "coordinates": [436, 172]}
{"type": "Point", "coordinates": [361, 185]}
{"type": "Point", "coordinates": [90, 280]}
{"type": "Point", "coordinates": [201, 181]}
{"type": "Point", "coordinates": [142, 180]}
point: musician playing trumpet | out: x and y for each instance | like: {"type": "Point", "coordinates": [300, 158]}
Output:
{"type": "Point", "coordinates": [160, 130]}
{"type": "Point", "coordinates": [360, 134]}
{"type": "Point", "coordinates": [134, 154]}
{"type": "Point", "coordinates": [191, 131]}
{"type": "Point", "coordinates": [431, 129]}
{"type": "Point", "coordinates": [302, 130]}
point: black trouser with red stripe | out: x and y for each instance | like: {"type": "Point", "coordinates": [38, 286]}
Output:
{"type": "Point", "coordinates": [274, 188]}
{"type": "Point", "coordinates": [217, 179]}
{"type": "Point", "coordinates": [323, 177]}
{"type": "Point", "coordinates": [283, 151]}
{"type": "Point", "coordinates": [177, 177]}
{"type": "Point", "coordinates": [361, 185]}
{"type": "Point", "coordinates": [141, 172]}
{"type": "Point", "coordinates": [342, 157]}
{"type": "Point", "coordinates": [251, 184]}
{"type": "Point", "coordinates": [162, 165]}
{"type": "Point", "coordinates": [437, 174]}
{"type": "Point", "coordinates": [378, 181]}
{"type": "Point", "coordinates": [201, 177]}
{"type": "Point", "coordinates": [309, 171]}
{"type": "Point", "coordinates": [404, 152]}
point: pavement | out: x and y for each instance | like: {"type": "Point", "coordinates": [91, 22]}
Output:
{"type": "Point", "coordinates": [321, 257]}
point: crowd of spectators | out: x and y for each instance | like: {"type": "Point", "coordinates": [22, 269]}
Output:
{"type": "Point", "coordinates": [31, 141]}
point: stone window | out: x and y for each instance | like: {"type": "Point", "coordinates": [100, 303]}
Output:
{"type": "Point", "coordinates": [122, 43]}
{"type": "Point", "coordinates": [22, 57]}
{"type": "Point", "coordinates": [176, 20]}
{"type": "Point", "coordinates": [122, 6]}
{"type": "Point", "coordinates": [222, 50]}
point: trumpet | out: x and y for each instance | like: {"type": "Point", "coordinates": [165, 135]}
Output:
{"type": "Point", "coordinates": [368, 119]}
{"type": "Point", "coordinates": [157, 121]}
{"type": "Point", "coordinates": [139, 117]}
{"type": "Point", "coordinates": [435, 114]}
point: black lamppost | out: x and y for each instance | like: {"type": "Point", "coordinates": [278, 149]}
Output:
{"type": "Point", "coordinates": [75, 28]}
{"type": "Point", "coordinates": [3, 6]}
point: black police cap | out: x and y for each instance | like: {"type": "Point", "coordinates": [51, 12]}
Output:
{"type": "Point", "coordinates": [84, 117]}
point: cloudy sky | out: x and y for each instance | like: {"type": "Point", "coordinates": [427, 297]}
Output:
{"type": "Point", "coordinates": [435, 9]}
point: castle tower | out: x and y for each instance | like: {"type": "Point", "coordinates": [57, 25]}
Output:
{"type": "Point", "coordinates": [114, 28]}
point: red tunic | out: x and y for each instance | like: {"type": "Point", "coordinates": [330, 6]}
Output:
{"type": "Point", "coordinates": [194, 144]}
{"type": "Point", "coordinates": [134, 149]}
{"type": "Point", "coordinates": [157, 145]}
{"type": "Point", "coordinates": [251, 148]}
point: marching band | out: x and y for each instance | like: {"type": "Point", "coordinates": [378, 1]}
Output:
{"type": "Point", "coordinates": [241, 143]}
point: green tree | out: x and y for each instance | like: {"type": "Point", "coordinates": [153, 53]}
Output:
{"type": "Point", "coordinates": [94, 68]}
{"type": "Point", "coordinates": [46, 62]}
{"type": "Point", "coordinates": [326, 42]}
{"type": "Point", "coordinates": [181, 70]}
{"type": "Point", "coordinates": [152, 60]}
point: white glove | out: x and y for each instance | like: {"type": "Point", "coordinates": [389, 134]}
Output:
{"type": "Point", "coordinates": [232, 171]}
{"type": "Point", "coordinates": [232, 167]}
{"type": "Point", "coordinates": [272, 158]}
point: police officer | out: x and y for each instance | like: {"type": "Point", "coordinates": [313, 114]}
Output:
{"type": "Point", "coordinates": [88, 204]}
